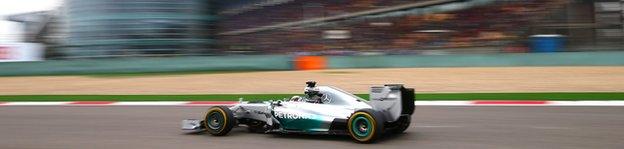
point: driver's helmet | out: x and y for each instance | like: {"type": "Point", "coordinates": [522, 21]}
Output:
{"type": "Point", "coordinates": [311, 91]}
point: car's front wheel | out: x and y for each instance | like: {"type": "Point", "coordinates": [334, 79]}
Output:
{"type": "Point", "coordinates": [365, 126]}
{"type": "Point", "coordinates": [219, 120]}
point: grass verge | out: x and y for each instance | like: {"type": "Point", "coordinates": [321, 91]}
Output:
{"type": "Point", "coordinates": [234, 97]}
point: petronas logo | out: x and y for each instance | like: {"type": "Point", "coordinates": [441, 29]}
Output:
{"type": "Point", "coordinates": [286, 115]}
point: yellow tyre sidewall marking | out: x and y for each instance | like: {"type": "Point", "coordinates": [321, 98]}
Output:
{"type": "Point", "coordinates": [370, 118]}
{"type": "Point", "coordinates": [222, 113]}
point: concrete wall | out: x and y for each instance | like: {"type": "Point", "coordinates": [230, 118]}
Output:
{"type": "Point", "coordinates": [285, 62]}
{"type": "Point", "coordinates": [140, 65]}
{"type": "Point", "coordinates": [480, 60]}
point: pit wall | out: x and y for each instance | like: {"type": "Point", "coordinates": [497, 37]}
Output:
{"type": "Point", "coordinates": [287, 62]}
{"type": "Point", "coordinates": [146, 65]}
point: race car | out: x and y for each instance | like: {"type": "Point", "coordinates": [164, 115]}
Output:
{"type": "Point", "coordinates": [323, 110]}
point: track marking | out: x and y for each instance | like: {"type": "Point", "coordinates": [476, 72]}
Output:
{"type": "Point", "coordinates": [225, 103]}
{"type": "Point", "coordinates": [34, 103]}
{"type": "Point", "coordinates": [91, 103]}
{"type": "Point", "coordinates": [149, 103]}
{"type": "Point", "coordinates": [508, 102]}
{"type": "Point", "coordinates": [442, 103]}
{"type": "Point", "coordinates": [520, 103]}
{"type": "Point", "coordinates": [588, 103]}
{"type": "Point", "coordinates": [210, 103]}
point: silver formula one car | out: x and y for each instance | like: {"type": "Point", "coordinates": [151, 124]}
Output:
{"type": "Point", "coordinates": [323, 110]}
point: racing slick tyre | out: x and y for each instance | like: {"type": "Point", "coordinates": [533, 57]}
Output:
{"type": "Point", "coordinates": [365, 126]}
{"type": "Point", "coordinates": [219, 120]}
{"type": "Point", "coordinates": [401, 125]}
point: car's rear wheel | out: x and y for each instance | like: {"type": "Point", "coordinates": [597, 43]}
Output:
{"type": "Point", "coordinates": [401, 125]}
{"type": "Point", "coordinates": [219, 120]}
{"type": "Point", "coordinates": [365, 126]}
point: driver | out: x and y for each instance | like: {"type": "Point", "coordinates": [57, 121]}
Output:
{"type": "Point", "coordinates": [312, 93]}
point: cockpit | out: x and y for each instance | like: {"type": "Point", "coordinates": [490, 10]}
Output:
{"type": "Point", "coordinates": [330, 95]}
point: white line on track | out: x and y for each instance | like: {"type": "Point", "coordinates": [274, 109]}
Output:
{"type": "Point", "coordinates": [588, 103]}
{"type": "Point", "coordinates": [417, 103]}
{"type": "Point", "coordinates": [34, 103]}
{"type": "Point", "coordinates": [512, 103]}
{"type": "Point", "coordinates": [149, 103]}
{"type": "Point", "coordinates": [442, 103]}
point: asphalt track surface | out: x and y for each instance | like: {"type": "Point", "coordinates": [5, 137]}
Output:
{"type": "Point", "coordinates": [432, 127]}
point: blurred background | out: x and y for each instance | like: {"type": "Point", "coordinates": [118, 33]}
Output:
{"type": "Point", "coordinates": [35, 30]}
{"type": "Point", "coordinates": [121, 28]}
{"type": "Point", "coordinates": [101, 51]}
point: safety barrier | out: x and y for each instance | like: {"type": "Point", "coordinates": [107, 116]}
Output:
{"type": "Point", "coordinates": [146, 65]}
{"type": "Point", "coordinates": [286, 62]}
{"type": "Point", "coordinates": [479, 60]}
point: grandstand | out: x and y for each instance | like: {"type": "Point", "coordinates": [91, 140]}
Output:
{"type": "Point", "coordinates": [425, 26]}
{"type": "Point", "coordinates": [113, 28]}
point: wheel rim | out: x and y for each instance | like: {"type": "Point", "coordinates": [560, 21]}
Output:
{"type": "Point", "coordinates": [361, 126]}
{"type": "Point", "coordinates": [214, 120]}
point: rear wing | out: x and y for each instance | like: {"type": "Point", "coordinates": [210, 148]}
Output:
{"type": "Point", "coordinates": [393, 100]}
